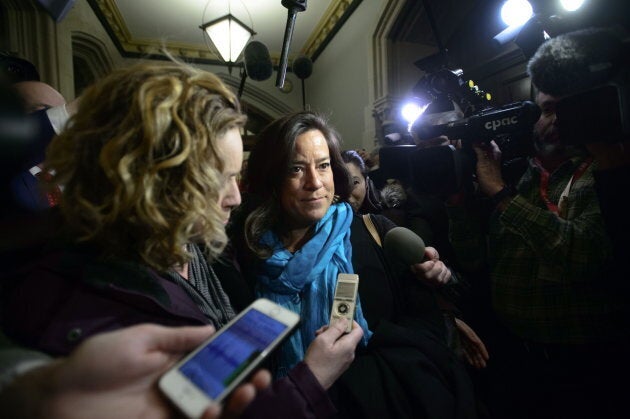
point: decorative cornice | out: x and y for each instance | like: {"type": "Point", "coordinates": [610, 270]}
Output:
{"type": "Point", "coordinates": [109, 14]}
{"type": "Point", "coordinates": [128, 46]}
{"type": "Point", "coordinates": [115, 19]}
{"type": "Point", "coordinates": [327, 24]}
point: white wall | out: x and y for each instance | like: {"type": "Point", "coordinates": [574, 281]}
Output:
{"type": "Point", "coordinates": [340, 81]}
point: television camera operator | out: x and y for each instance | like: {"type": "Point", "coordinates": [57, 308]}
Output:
{"type": "Point", "coordinates": [562, 334]}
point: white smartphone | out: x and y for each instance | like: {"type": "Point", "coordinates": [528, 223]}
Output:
{"type": "Point", "coordinates": [212, 371]}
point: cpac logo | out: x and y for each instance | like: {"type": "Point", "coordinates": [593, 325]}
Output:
{"type": "Point", "coordinates": [493, 125]}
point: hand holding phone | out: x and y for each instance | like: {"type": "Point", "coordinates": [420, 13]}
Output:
{"type": "Point", "coordinates": [332, 351]}
{"type": "Point", "coordinates": [240, 397]}
{"type": "Point", "coordinates": [212, 371]}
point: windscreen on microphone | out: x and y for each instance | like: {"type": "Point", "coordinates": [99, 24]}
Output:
{"type": "Point", "coordinates": [403, 248]}
{"type": "Point", "coordinates": [302, 67]}
{"type": "Point", "coordinates": [257, 61]}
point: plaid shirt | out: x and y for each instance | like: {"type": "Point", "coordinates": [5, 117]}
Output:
{"type": "Point", "coordinates": [548, 273]}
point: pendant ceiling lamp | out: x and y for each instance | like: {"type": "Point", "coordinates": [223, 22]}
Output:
{"type": "Point", "coordinates": [227, 34]}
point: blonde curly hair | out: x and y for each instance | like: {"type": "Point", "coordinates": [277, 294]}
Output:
{"type": "Point", "coordinates": [139, 164]}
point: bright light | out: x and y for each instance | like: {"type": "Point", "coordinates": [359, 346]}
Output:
{"type": "Point", "coordinates": [229, 36]}
{"type": "Point", "coordinates": [571, 5]}
{"type": "Point", "coordinates": [516, 12]}
{"type": "Point", "coordinates": [412, 111]}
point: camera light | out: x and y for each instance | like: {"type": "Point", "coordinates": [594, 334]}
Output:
{"type": "Point", "coordinates": [571, 5]}
{"type": "Point", "coordinates": [412, 111]}
{"type": "Point", "coordinates": [516, 12]}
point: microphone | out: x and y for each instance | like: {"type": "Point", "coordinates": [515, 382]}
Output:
{"type": "Point", "coordinates": [257, 61]}
{"type": "Point", "coordinates": [294, 7]}
{"type": "Point", "coordinates": [403, 248]}
{"type": "Point", "coordinates": [302, 67]}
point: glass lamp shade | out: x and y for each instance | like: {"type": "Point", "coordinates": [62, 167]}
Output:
{"type": "Point", "coordinates": [229, 36]}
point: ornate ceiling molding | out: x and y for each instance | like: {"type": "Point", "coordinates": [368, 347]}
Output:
{"type": "Point", "coordinates": [109, 14]}
{"type": "Point", "coordinates": [332, 20]}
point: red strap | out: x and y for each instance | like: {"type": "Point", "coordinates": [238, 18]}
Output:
{"type": "Point", "coordinates": [544, 182]}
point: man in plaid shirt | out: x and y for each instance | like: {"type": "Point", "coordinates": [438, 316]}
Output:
{"type": "Point", "coordinates": [564, 322]}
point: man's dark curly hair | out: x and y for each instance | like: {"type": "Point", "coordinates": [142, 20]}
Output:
{"type": "Point", "coordinates": [576, 61]}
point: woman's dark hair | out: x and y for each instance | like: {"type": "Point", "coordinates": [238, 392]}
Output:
{"type": "Point", "coordinates": [267, 168]}
{"type": "Point", "coordinates": [372, 202]}
{"type": "Point", "coordinates": [351, 156]}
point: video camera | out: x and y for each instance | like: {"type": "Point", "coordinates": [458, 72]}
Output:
{"type": "Point", "coordinates": [484, 126]}
{"type": "Point", "coordinates": [600, 113]}
{"type": "Point", "coordinates": [443, 170]}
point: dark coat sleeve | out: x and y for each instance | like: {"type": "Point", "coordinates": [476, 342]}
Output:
{"type": "Point", "coordinates": [298, 395]}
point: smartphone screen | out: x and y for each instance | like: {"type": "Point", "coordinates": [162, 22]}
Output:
{"type": "Point", "coordinates": [218, 364]}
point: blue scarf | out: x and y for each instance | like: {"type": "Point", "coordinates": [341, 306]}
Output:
{"type": "Point", "coordinates": [305, 282]}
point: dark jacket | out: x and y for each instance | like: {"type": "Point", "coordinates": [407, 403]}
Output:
{"type": "Point", "coordinates": [72, 294]}
{"type": "Point", "coordinates": [407, 371]}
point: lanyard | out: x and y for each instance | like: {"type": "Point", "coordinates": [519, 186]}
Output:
{"type": "Point", "coordinates": [544, 183]}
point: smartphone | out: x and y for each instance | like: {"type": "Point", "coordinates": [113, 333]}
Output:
{"type": "Point", "coordinates": [345, 301]}
{"type": "Point", "coordinates": [212, 371]}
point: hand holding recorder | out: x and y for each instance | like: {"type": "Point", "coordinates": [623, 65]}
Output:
{"type": "Point", "coordinates": [345, 300]}
{"type": "Point", "coordinates": [332, 351]}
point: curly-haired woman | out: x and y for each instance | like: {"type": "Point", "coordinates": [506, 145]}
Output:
{"type": "Point", "coordinates": [149, 168]}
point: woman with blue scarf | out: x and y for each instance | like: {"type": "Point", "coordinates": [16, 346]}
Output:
{"type": "Point", "coordinates": [298, 233]}
{"type": "Point", "coordinates": [305, 281]}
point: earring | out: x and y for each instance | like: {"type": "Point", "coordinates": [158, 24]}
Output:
{"type": "Point", "coordinates": [335, 199]}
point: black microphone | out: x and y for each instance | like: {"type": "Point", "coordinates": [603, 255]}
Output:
{"type": "Point", "coordinates": [294, 6]}
{"type": "Point", "coordinates": [257, 61]}
{"type": "Point", "coordinates": [302, 67]}
{"type": "Point", "coordinates": [403, 248]}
